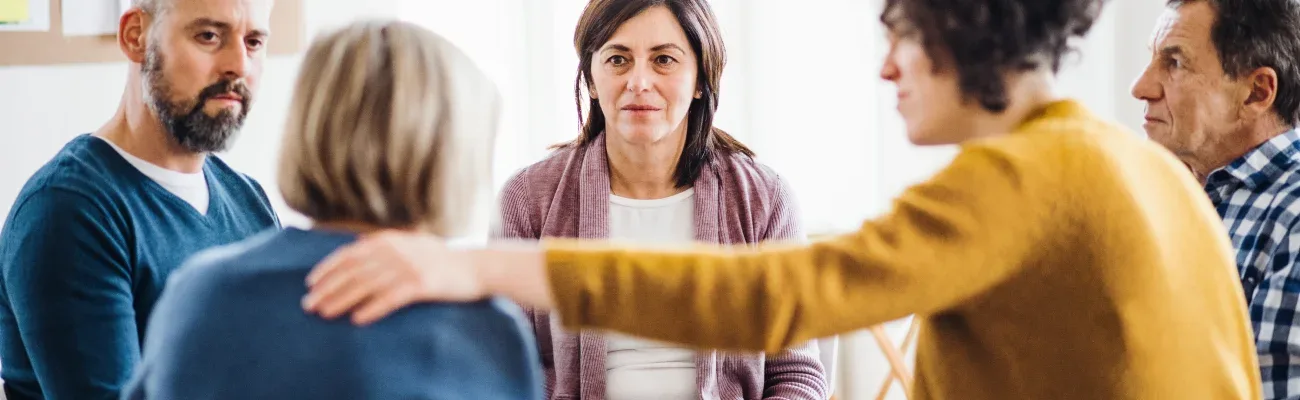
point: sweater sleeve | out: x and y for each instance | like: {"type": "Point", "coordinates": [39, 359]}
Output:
{"type": "Point", "coordinates": [788, 225]}
{"type": "Point", "coordinates": [798, 372]}
{"type": "Point", "coordinates": [69, 287]}
{"type": "Point", "coordinates": [964, 231]}
{"type": "Point", "coordinates": [514, 221]}
{"type": "Point", "coordinates": [786, 222]}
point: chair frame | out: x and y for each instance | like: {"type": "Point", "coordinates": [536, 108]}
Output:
{"type": "Point", "coordinates": [899, 370]}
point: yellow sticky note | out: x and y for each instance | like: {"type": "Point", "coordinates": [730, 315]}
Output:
{"type": "Point", "coordinates": [13, 10]}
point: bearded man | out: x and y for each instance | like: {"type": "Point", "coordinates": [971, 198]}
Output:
{"type": "Point", "coordinates": [94, 234]}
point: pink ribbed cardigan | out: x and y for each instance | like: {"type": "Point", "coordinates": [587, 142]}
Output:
{"type": "Point", "coordinates": [737, 201]}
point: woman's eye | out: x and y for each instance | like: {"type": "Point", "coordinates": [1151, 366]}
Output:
{"type": "Point", "coordinates": [617, 60]}
{"type": "Point", "coordinates": [665, 60]}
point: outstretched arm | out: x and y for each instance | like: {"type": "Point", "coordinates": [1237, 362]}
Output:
{"type": "Point", "coordinates": [967, 229]}
{"type": "Point", "coordinates": [946, 240]}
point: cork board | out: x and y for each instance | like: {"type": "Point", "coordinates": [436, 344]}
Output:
{"type": "Point", "coordinates": [52, 48]}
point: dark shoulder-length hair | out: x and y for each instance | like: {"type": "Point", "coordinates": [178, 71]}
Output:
{"type": "Point", "coordinates": [703, 141]}
{"type": "Point", "coordinates": [982, 40]}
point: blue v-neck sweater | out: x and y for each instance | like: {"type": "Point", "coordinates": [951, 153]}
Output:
{"type": "Point", "coordinates": [84, 255]}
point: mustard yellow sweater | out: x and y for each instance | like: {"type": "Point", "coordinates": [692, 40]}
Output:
{"type": "Point", "coordinates": [1069, 259]}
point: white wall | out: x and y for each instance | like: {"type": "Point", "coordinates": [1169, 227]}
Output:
{"type": "Point", "coordinates": [1132, 47]}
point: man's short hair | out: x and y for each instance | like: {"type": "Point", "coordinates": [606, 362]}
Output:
{"type": "Point", "coordinates": [155, 8]}
{"type": "Point", "coordinates": [391, 126]}
{"type": "Point", "coordinates": [152, 6]}
{"type": "Point", "coordinates": [1250, 34]}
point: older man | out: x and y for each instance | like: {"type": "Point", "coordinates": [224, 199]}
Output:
{"type": "Point", "coordinates": [1223, 93]}
{"type": "Point", "coordinates": [95, 233]}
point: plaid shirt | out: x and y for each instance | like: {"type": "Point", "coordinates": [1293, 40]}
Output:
{"type": "Point", "coordinates": [1258, 196]}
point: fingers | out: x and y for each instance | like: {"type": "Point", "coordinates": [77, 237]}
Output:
{"type": "Point", "coordinates": [329, 286]}
{"type": "Point", "coordinates": [384, 304]}
{"type": "Point", "coordinates": [367, 248]}
{"type": "Point", "coordinates": [369, 279]}
{"type": "Point", "coordinates": [348, 257]}
{"type": "Point", "coordinates": [353, 292]}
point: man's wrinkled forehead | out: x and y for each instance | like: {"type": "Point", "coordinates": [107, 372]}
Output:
{"type": "Point", "coordinates": [1184, 25]}
{"type": "Point", "coordinates": [240, 15]}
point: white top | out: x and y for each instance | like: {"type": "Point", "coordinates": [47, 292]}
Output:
{"type": "Point", "coordinates": [192, 188]}
{"type": "Point", "coordinates": [636, 368]}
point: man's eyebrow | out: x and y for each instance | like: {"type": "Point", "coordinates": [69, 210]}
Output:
{"type": "Point", "coordinates": [222, 26]}
{"type": "Point", "coordinates": [1172, 50]}
{"type": "Point", "coordinates": [208, 23]}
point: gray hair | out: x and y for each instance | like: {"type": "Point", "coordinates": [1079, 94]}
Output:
{"type": "Point", "coordinates": [151, 6]}
{"type": "Point", "coordinates": [155, 8]}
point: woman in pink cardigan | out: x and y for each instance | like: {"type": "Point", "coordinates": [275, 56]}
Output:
{"type": "Point", "coordinates": [649, 167]}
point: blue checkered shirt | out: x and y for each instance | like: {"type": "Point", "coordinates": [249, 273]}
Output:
{"type": "Point", "coordinates": [1258, 196]}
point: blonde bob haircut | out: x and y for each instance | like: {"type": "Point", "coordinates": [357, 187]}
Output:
{"type": "Point", "coordinates": [391, 126]}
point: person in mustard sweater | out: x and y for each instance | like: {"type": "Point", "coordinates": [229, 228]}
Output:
{"type": "Point", "coordinates": [1057, 257]}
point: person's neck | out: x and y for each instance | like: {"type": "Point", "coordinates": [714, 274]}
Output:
{"type": "Point", "coordinates": [356, 227]}
{"type": "Point", "coordinates": [644, 171]}
{"type": "Point", "coordinates": [1245, 137]}
{"type": "Point", "coordinates": [1028, 93]}
{"type": "Point", "coordinates": [136, 129]}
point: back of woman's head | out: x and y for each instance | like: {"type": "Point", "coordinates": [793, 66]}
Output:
{"type": "Point", "coordinates": [392, 126]}
{"type": "Point", "coordinates": [983, 40]}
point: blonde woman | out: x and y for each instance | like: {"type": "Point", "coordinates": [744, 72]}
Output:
{"type": "Point", "coordinates": [390, 128]}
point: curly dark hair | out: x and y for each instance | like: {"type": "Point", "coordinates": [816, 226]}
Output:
{"type": "Point", "coordinates": [1250, 34]}
{"type": "Point", "coordinates": [982, 40]}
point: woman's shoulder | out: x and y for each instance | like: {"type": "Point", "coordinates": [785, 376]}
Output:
{"type": "Point", "coordinates": [527, 197]}
{"type": "Point", "coordinates": [749, 172]}
{"type": "Point", "coordinates": [1065, 128]}
{"type": "Point", "coordinates": [756, 192]}
{"type": "Point", "coordinates": [546, 174]}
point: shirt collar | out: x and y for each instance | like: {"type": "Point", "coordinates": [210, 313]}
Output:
{"type": "Point", "coordinates": [1263, 164]}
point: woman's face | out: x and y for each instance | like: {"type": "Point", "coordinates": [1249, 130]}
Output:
{"type": "Point", "coordinates": [929, 100]}
{"type": "Point", "coordinates": [645, 78]}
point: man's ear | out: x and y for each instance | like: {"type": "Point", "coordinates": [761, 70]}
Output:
{"type": "Point", "coordinates": [133, 33]}
{"type": "Point", "coordinates": [1263, 90]}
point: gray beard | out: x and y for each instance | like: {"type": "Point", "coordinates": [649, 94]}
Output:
{"type": "Point", "coordinates": [185, 122]}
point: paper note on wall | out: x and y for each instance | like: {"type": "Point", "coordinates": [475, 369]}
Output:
{"type": "Point", "coordinates": [38, 17]}
{"type": "Point", "coordinates": [13, 11]}
{"type": "Point", "coordinates": [90, 17]}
